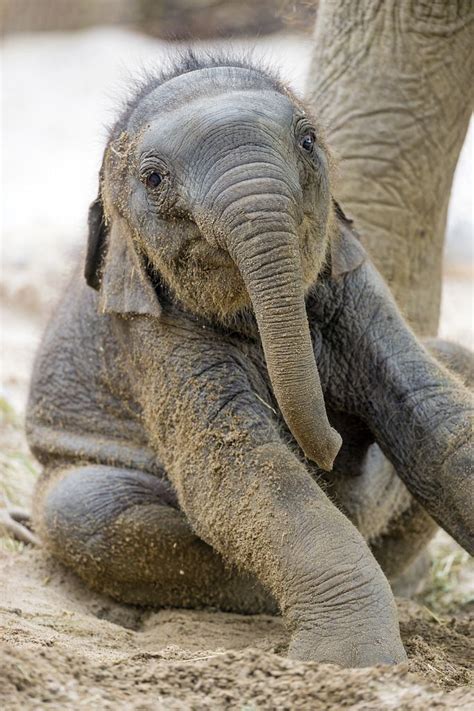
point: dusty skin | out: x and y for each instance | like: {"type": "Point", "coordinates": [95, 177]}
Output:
{"type": "Point", "coordinates": [65, 646]}
{"type": "Point", "coordinates": [73, 648]}
{"type": "Point", "coordinates": [69, 648]}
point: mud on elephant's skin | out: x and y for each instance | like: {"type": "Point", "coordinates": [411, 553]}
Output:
{"type": "Point", "coordinates": [182, 406]}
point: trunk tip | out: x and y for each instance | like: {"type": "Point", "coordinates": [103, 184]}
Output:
{"type": "Point", "coordinates": [326, 451]}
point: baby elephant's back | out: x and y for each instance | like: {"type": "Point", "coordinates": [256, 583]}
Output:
{"type": "Point", "coordinates": [81, 405]}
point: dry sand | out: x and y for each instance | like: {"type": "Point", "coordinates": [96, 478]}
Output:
{"type": "Point", "coordinates": [64, 647]}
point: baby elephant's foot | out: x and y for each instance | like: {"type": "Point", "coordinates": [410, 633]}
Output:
{"type": "Point", "coordinates": [16, 522]}
{"type": "Point", "coordinates": [346, 615]}
{"type": "Point", "coordinates": [357, 649]}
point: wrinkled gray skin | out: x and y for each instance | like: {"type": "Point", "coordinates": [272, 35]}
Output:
{"type": "Point", "coordinates": [392, 82]}
{"type": "Point", "coordinates": [177, 407]}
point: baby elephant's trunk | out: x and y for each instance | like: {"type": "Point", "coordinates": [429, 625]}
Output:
{"type": "Point", "coordinates": [275, 285]}
{"type": "Point", "coordinates": [264, 245]}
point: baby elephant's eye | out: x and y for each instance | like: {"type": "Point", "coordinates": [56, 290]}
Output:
{"type": "Point", "coordinates": [153, 180]}
{"type": "Point", "coordinates": [307, 142]}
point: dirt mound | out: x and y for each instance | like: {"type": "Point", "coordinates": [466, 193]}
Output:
{"type": "Point", "coordinates": [249, 679]}
{"type": "Point", "coordinates": [69, 648]}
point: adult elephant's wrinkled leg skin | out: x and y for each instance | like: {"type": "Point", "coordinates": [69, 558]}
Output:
{"type": "Point", "coordinates": [120, 530]}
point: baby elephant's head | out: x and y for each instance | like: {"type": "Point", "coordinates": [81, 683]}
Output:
{"type": "Point", "coordinates": [215, 182]}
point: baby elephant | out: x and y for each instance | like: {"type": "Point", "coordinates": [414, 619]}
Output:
{"type": "Point", "coordinates": [191, 394]}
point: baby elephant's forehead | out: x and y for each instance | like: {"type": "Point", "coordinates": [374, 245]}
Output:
{"type": "Point", "coordinates": [267, 112]}
{"type": "Point", "coordinates": [185, 88]}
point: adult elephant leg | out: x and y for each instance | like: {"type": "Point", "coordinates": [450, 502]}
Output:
{"type": "Point", "coordinates": [391, 81]}
{"type": "Point", "coordinates": [121, 532]}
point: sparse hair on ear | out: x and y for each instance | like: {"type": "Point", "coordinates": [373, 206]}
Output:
{"type": "Point", "coordinates": [96, 243]}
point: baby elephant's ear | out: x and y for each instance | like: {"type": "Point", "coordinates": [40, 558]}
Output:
{"type": "Point", "coordinates": [347, 253]}
{"type": "Point", "coordinates": [114, 268]}
{"type": "Point", "coordinates": [95, 243]}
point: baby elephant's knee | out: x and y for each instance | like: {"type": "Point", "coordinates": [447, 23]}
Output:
{"type": "Point", "coordinates": [80, 503]}
{"type": "Point", "coordinates": [75, 510]}
{"type": "Point", "coordinates": [80, 511]}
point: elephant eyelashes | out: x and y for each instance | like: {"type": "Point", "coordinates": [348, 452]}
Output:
{"type": "Point", "coordinates": [153, 180]}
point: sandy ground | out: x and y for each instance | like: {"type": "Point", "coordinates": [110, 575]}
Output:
{"type": "Point", "coordinates": [66, 648]}
{"type": "Point", "coordinates": [63, 647]}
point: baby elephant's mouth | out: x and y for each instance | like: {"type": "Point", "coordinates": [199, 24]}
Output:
{"type": "Point", "coordinates": [209, 258]}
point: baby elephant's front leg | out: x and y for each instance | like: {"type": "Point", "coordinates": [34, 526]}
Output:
{"type": "Point", "coordinates": [260, 509]}
{"type": "Point", "coordinates": [252, 500]}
